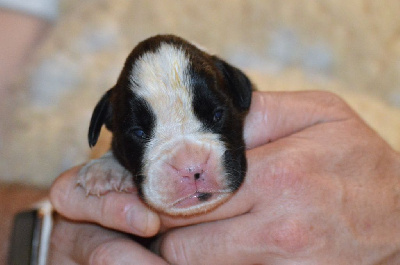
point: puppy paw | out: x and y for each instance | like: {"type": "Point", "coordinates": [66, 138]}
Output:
{"type": "Point", "coordinates": [103, 175]}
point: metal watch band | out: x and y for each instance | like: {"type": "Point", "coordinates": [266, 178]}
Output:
{"type": "Point", "coordinates": [30, 238]}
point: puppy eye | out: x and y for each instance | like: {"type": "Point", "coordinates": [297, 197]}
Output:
{"type": "Point", "coordinates": [217, 115]}
{"type": "Point", "coordinates": [139, 133]}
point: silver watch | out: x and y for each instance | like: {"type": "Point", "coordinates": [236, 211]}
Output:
{"type": "Point", "coordinates": [30, 238]}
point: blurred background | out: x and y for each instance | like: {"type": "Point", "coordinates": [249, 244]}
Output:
{"type": "Point", "coordinates": [349, 47]}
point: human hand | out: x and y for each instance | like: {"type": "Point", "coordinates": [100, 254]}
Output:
{"type": "Point", "coordinates": [322, 191]}
{"type": "Point", "coordinates": [84, 243]}
{"type": "Point", "coordinates": [322, 188]}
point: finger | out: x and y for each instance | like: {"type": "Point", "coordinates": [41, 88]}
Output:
{"type": "Point", "coordinates": [121, 211]}
{"type": "Point", "coordinates": [90, 244]}
{"type": "Point", "coordinates": [232, 241]}
{"type": "Point", "coordinates": [274, 115]}
{"type": "Point", "coordinates": [96, 247]}
{"type": "Point", "coordinates": [120, 252]}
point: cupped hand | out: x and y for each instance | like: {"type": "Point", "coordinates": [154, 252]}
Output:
{"type": "Point", "coordinates": [77, 243]}
{"type": "Point", "coordinates": [321, 188]}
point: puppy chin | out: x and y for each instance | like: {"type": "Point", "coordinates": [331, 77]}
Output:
{"type": "Point", "coordinates": [197, 203]}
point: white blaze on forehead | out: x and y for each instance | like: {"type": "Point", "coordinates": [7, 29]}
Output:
{"type": "Point", "coordinates": [162, 79]}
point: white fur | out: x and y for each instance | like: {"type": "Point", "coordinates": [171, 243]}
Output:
{"type": "Point", "coordinates": [163, 82]}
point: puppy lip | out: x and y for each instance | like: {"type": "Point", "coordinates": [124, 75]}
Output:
{"type": "Point", "coordinates": [199, 197]}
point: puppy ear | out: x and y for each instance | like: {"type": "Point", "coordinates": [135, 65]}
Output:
{"type": "Point", "coordinates": [102, 114]}
{"type": "Point", "coordinates": [238, 84]}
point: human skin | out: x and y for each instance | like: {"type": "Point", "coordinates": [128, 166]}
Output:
{"type": "Point", "coordinates": [321, 188]}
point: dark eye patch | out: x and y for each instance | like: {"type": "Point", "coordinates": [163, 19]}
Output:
{"type": "Point", "coordinates": [209, 105]}
{"type": "Point", "coordinates": [138, 120]}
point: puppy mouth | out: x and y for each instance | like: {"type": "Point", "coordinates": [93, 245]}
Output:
{"type": "Point", "coordinates": [200, 197]}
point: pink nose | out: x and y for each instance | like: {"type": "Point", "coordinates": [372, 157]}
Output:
{"type": "Point", "coordinates": [190, 168]}
{"type": "Point", "coordinates": [192, 173]}
{"type": "Point", "coordinates": [190, 161]}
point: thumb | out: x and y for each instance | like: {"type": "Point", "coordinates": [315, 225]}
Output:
{"type": "Point", "coordinates": [274, 115]}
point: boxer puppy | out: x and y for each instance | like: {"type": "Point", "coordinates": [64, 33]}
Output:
{"type": "Point", "coordinates": [176, 114]}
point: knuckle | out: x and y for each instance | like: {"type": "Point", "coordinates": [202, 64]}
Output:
{"type": "Point", "coordinates": [173, 249]}
{"type": "Point", "coordinates": [103, 254]}
{"type": "Point", "coordinates": [287, 237]}
{"type": "Point", "coordinates": [329, 100]}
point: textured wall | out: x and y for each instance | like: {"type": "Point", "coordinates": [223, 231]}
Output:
{"type": "Point", "coordinates": [350, 47]}
{"type": "Point", "coordinates": [356, 42]}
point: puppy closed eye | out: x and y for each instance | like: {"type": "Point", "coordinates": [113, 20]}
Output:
{"type": "Point", "coordinates": [217, 116]}
{"type": "Point", "coordinates": [138, 133]}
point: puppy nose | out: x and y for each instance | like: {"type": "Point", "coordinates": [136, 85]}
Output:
{"type": "Point", "coordinates": [192, 173]}
{"type": "Point", "coordinates": [190, 161]}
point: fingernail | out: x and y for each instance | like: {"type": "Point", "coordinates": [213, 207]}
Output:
{"type": "Point", "coordinates": [144, 221]}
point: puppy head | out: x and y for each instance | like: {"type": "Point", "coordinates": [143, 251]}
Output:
{"type": "Point", "coordinates": [177, 115]}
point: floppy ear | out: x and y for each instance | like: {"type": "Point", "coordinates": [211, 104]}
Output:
{"type": "Point", "coordinates": [102, 114]}
{"type": "Point", "coordinates": [238, 84]}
